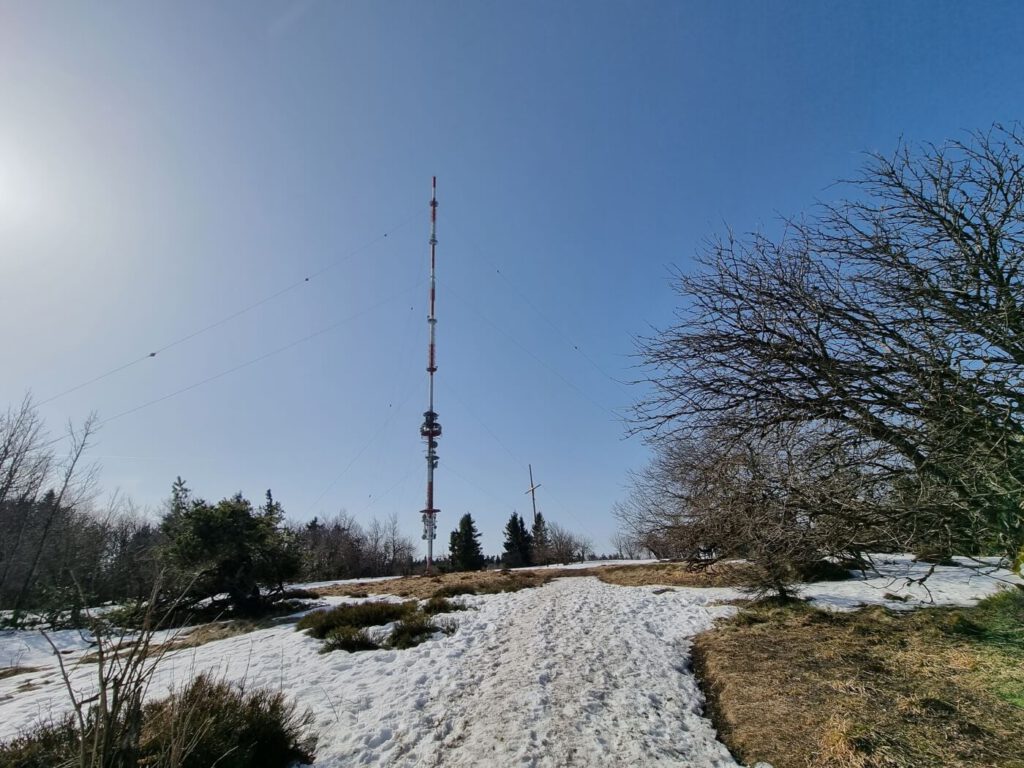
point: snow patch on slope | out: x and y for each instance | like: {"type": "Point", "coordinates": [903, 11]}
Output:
{"type": "Point", "coordinates": [577, 672]}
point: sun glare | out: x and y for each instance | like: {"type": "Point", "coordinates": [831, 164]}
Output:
{"type": "Point", "coordinates": [18, 187]}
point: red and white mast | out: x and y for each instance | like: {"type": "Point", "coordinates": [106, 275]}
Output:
{"type": "Point", "coordinates": [430, 430]}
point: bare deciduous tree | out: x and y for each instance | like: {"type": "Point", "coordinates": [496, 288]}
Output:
{"type": "Point", "coordinates": [38, 491]}
{"type": "Point", "coordinates": [893, 323]}
{"type": "Point", "coordinates": [341, 548]}
{"type": "Point", "coordinates": [567, 547]}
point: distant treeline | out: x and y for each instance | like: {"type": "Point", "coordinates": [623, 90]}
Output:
{"type": "Point", "coordinates": [61, 549]}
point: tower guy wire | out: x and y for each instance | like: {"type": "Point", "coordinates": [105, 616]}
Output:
{"type": "Point", "coordinates": [227, 318]}
{"type": "Point", "coordinates": [246, 364]}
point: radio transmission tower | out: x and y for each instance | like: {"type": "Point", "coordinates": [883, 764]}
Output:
{"type": "Point", "coordinates": [430, 430]}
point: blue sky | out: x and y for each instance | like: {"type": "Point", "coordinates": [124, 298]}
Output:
{"type": "Point", "coordinates": [163, 165]}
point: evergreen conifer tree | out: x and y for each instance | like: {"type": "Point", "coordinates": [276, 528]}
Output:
{"type": "Point", "coordinates": [464, 546]}
{"type": "Point", "coordinates": [180, 496]}
{"type": "Point", "coordinates": [454, 550]}
{"type": "Point", "coordinates": [541, 541]}
{"type": "Point", "coordinates": [228, 547]}
{"type": "Point", "coordinates": [518, 543]}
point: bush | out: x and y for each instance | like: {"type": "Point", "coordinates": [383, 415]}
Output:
{"type": "Point", "coordinates": [357, 615]}
{"type": "Point", "coordinates": [933, 557]}
{"type": "Point", "coordinates": [45, 746]}
{"type": "Point", "coordinates": [208, 723]}
{"type": "Point", "coordinates": [348, 639]}
{"type": "Point", "coordinates": [343, 628]}
{"type": "Point", "coordinates": [824, 570]}
{"type": "Point", "coordinates": [215, 723]}
{"type": "Point", "coordinates": [228, 547]}
{"type": "Point", "coordinates": [133, 615]}
{"type": "Point", "coordinates": [412, 631]}
{"type": "Point", "coordinates": [436, 605]}
{"type": "Point", "coordinates": [447, 626]}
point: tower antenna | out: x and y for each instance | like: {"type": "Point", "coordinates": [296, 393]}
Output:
{"type": "Point", "coordinates": [430, 430]}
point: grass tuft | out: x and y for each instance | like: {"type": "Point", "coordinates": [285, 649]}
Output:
{"type": "Point", "coordinates": [45, 746]}
{"type": "Point", "coordinates": [349, 639]}
{"type": "Point", "coordinates": [344, 628]}
{"type": "Point", "coordinates": [412, 631]}
{"type": "Point", "coordinates": [446, 626]}
{"type": "Point", "coordinates": [207, 723]}
{"type": "Point", "coordinates": [299, 594]}
{"type": "Point", "coordinates": [725, 574]}
{"type": "Point", "coordinates": [436, 605]}
{"type": "Point", "coordinates": [229, 727]}
{"type": "Point", "coordinates": [16, 670]}
{"type": "Point", "coordinates": [358, 615]}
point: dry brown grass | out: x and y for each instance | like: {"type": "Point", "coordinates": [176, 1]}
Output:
{"type": "Point", "coordinates": [220, 630]}
{"type": "Point", "coordinates": [674, 574]}
{"type": "Point", "coordinates": [423, 587]}
{"type": "Point", "coordinates": [800, 688]}
{"type": "Point", "coordinates": [191, 638]}
{"type": "Point", "coordinates": [12, 671]}
{"type": "Point", "coordinates": [485, 582]}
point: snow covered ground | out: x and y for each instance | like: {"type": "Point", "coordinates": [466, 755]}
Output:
{"type": "Point", "coordinates": [575, 673]}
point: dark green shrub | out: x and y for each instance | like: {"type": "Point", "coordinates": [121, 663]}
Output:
{"type": "Point", "coordinates": [373, 614]}
{"type": "Point", "coordinates": [436, 605]}
{"type": "Point", "coordinates": [229, 547]}
{"type": "Point", "coordinates": [208, 723]}
{"type": "Point", "coordinates": [133, 616]}
{"type": "Point", "coordinates": [824, 570]}
{"type": "Point", "coordinates": [412, 631]}
{"type": "Point", "coordinates": [45, 746]}
{"type": "Point", "coordinates": [446, 626]}
{"type": "Point", "coordinates": [299, 594]}
{"type": "Point", "coordinates": [215, 723]}
{"type": "Point", "coordinates": [464, 546]}
{"type": "Point", "coordinates": [348, 639]}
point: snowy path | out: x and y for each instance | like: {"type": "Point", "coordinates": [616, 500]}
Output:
{"type": "Point", "coordinates": [580, 672]}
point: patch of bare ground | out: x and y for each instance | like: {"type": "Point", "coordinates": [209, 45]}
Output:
{"type": "Point", "coordinates": [675, 575]}
{"type": "Point", "coordinates": [12, 671]}
{"type": "Point", "coordinates": [803, 688]}
{"type": "Point", "coordinates": [220, 630]}
{"type": "Point", "coordinates": [446, 584]}
{"type": "Point", "coordinates": [28, 685]}
{"type": "Point", "coordinates": [490, 582]}
{"type": "Point", "coordinates": [192, 637]}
